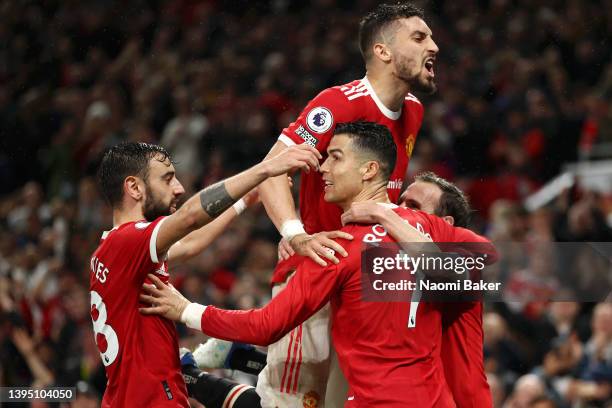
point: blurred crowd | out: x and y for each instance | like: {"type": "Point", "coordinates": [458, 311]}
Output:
{"type": "Point", "coordinates": [524, 86]}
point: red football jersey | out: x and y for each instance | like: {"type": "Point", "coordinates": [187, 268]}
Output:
{"type": "Point", "coordinates": [355, 101]}
{"type": "Point", "coordinates": [462, 345]}
{"type": "Point", "coordinates": [388, 361]}
{"type": "Point", "coordinates": [140, 353]}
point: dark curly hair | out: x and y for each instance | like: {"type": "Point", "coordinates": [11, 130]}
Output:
{"type": "Point", "coordinates": [123, 160]}
{"type": "Point", "coordinates": [379, 18]}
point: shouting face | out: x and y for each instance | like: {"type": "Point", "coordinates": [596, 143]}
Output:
{"type": "Point", "coordinates": [413, 53]}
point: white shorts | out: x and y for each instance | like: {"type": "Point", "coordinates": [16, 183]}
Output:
{"type": "Point", "coordinates": [298, 365]}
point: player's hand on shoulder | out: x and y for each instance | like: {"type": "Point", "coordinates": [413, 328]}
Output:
{"type": "Point", "coordinates": [298, 157]}
{"type": "Point", "coordinates": [320, 245]}
{"type": "Point", "coordinates": [363, 212]}
{"type": "Point", "coordinates": [163, 299]}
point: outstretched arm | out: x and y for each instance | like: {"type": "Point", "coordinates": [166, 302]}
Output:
{"type": "Point", "coordinates": [198, 240]}
{"type": "Point", "coordinates": [276, 196]}
{"type": "Point", "coordinates": [309, 290]}
{"type": "Point", "coordinates": [211, 202]}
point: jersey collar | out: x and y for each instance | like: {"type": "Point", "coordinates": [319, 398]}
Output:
{"type": "Point", "coordinates": [393, 115]}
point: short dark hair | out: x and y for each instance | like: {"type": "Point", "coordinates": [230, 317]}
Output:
{"type": "Point", "coordinates": [124, 160]}
{"type": "Point", "coordinates": [452, 202]}
{"type": "Point", "coordinates": [373, 138]}
{"type": "Point", "coordinates": [376, 20]}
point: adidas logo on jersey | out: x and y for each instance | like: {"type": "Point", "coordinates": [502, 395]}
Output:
{"type": "Point", "coordinates": [354, 92]}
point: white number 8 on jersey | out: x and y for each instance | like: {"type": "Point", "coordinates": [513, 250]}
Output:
{"type": "Point", "coordinates": [100, 327]}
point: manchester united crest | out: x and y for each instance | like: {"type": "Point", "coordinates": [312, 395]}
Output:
{"type": "Point", "coordinates": [410, 144]}
{"type": "Point", "coordinates": [311, 400]}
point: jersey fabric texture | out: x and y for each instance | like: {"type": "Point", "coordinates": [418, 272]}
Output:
{"type": "Point", "coordinates": [140, 353]}
{"type": "Point", "coordinates": [386, 362]}
{"type": "Point", "coordinates": [355, 101]}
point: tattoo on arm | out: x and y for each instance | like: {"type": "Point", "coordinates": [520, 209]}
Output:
{"type": "Point", "coordinates": [215, 199]}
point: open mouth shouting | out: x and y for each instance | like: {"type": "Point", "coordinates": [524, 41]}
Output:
{"type": "Point", "coordinates": [429, 64]}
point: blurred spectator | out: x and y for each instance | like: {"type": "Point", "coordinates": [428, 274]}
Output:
{"type": "Point", "coordinates": [182, 137]}
{"type": "Point", "coordinates": [514, 104]}
{"type": "Point", "coordinates": [527, 389]}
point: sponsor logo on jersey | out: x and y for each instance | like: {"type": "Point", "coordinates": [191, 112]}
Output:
{"type": "Point", "coordinates": [142, 225]}
{"type": "Point", "coordinates": [311, 399]}
{"type": "Point", "coordinates": [410, 144]}
{"type": "Point", "coordinates": [319, 119]}
{"type": "Point", "coordinates": [395, 184]}
{"type": "Point", "coordinates": [305, 134]}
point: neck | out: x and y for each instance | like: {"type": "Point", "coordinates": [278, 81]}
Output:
{"type": "Point", "coordinates": [121, 216]}
{"type": "Point", "coordinates": [390, 90]}
{"type": "Point", "coordinates": [377, 193]}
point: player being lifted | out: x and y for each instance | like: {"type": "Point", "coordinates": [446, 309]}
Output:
{"type": "Point", "coordinates": [138, 180]}
{"type": "Point", "coordinates": [387, 362]}
{"type": "Point", "coordinates": [399, 55]}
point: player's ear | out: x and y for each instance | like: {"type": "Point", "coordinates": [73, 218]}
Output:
{"type": "Point", "coordinates": [369, 170]}
{"type": "Point", "coordinates": [449, 219]}
{"type": "Point", "coordinates": [382, 52]}
{"type": "Point", "coordinates": [132, 187]}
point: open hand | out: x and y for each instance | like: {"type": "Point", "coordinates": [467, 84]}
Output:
{"type": "Point", "coordinates": [363, 212]}
{"type": "Point", "coordinates": [164, 299]}
{"type": "Point", "coordinates": [320, 245]}
{"type": "Point", "coordinates": [298, 157]}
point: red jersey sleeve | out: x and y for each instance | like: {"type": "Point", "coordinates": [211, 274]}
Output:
{"type": "Point", "coordinates": [138, 240]}
{"type": "Point", "coordinates": [317, 122]}
{"type": "Point", "coordinates": [308, 291]}
{"type": "Point", "coordinates": [442, 231]}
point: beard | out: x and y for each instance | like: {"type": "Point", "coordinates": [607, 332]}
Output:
{"type": "Point", "coordinates": [404, 67]}
{"type": "Point", "coordinates": [154, 208]}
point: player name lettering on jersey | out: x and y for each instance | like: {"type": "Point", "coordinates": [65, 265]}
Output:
{"type": "Point", "coordinates": [98, 268]}
{"type": "Point", "coordinates": [379, 232]}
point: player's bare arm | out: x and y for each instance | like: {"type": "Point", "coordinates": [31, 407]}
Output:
{"type": "Point", "coordinates": [209, 203]}
{"type": "Point", "coordinates": [306, 293]}
{"type": "Point", "coordinates": [276, 196]}
{"type": "Point", "coordinates": [370, 212]}
{"type": "Point", "coordinates": [200, 239]}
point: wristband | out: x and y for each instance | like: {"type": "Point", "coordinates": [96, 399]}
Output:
{"type": "Point", "coordinates": [192, 315]}
{"type": "Point", "coordinates": [291, 228]}
{"type": "Point", "coordinates": [240, 206]}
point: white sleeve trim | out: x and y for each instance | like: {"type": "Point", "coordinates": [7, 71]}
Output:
{"type": "Point", "coordinates": [153, 242]}
{"type": "Point", "coordinates": [192, 315]}
{"type": "Point", "coordinates": [286, 140]}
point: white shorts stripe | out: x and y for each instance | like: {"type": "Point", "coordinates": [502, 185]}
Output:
{"type": "Point", "coordinates": [233, 395]}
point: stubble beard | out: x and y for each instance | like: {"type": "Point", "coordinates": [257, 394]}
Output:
{"type": "Point", "coordinates": [153, 208]}
{"type": "Point", "coordinates": [416, 83]}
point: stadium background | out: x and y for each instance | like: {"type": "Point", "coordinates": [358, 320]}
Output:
{"type": "Point", "coordinates": [524, 89]}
